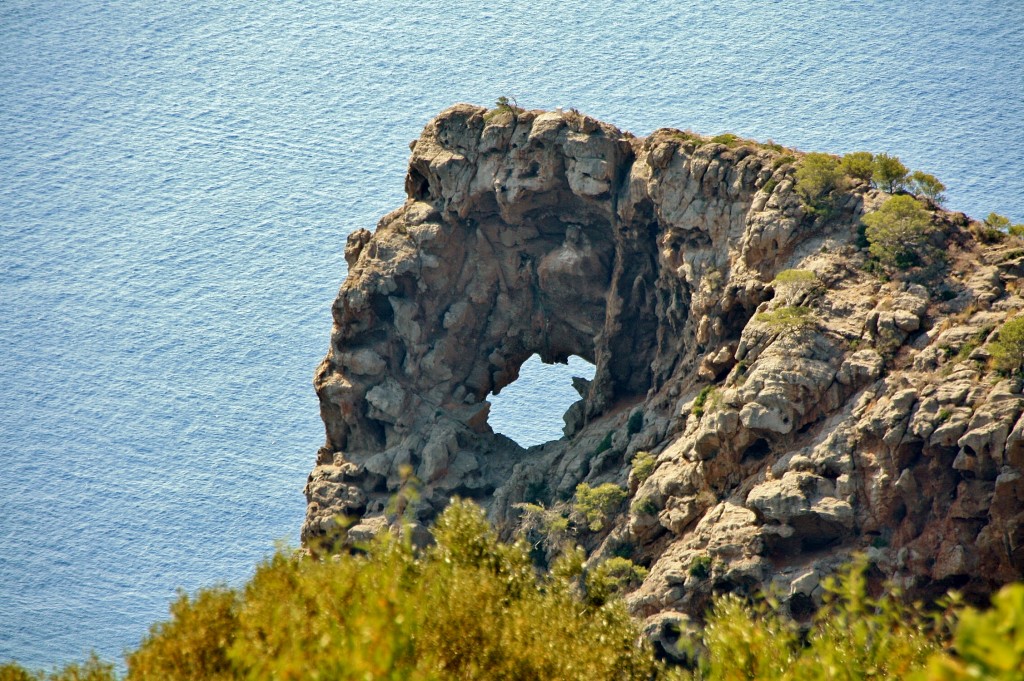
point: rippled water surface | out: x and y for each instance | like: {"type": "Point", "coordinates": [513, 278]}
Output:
{"type": "Point", "coordinates": [177, 181]}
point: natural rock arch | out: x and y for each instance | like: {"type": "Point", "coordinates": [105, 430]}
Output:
{"type": "Point", "coordinates": [544, 403]}
{"type": "Point", "coordinates": [777, 451]}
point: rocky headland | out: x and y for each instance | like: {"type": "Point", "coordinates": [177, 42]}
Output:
{"type": "Point", "coordinates": [786, 422]}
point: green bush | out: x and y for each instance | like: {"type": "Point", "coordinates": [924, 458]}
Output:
{"type": "Point", "coordinates": [707, 397]}
{"type": "Point", "coordinates": [997, 221]}
{"type": "Point", "coordinates": [684, 136]}
{"type": "Point", "coordinates": [888, 172]}
{"type": "Point", "coordinates": [700, 567]}
{"type": "Point", "coordinates": [635, 423]}
{"type": "Point", "coordinates": [470, 607]}
{"type": "Point", "coordinates": [928, 185]}
{"type": "Point", "coordinates": [611, 578]}
{"type": "Point", "coordinates": [1008, 349]}
{"type": "Point", "coordinates": [93, 669]}
{"type": "Point", "coordinates": [858, 164]}
{"type": "Point", "coordinates": [783, 160]}
{"type": "Point", "coordinates": [795, 278]}
{"type": "Point", "coordinates": [643, 465]}
{"type": "Point", "coordinates": [194, 643]}
{"type": "Point", "coordinates": [898, 232]}
{"type": "Point", "coordinates": [726, 138]}
{"type": "Point", "coordinates": [817, 175]}
{"type": "Point", "coordinates": [988, 645]}
{"type": "Point", "coordinates": [593, 504]}
{"type": "Point", "coordinates": [12, 671]}
{"type": "Point", "coordinates": [789, 318]}
{"type": "Point", "coordinates": [504, 105]}
{"type": "Point", "coordinates": [644, 506]}
{"type": "Point", "coordinates": [852, 637]}
{"type": "Point", "coordinates": [1001, 223]}
{"type": "Point", "coordinates": [605, 444]}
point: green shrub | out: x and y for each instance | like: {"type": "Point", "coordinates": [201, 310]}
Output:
{"type": "Point", "coordinates": [684, 136]}
{"type": "Point", "coordinates": [1008, 349]}
{"type": "Point", "coordinates": [593, 504]}
{"type": "Point", "coordinates": [643, 465]}
{"type": "Point", "coordinates": [817, 175]}
{"type": "Point", "coordinates": [795, 278]}
{"type": "Point", "coordinates": [769, 186]}
{"type": "Point", "coordinates": [858, 164]}
{"type": "Point", "coordinates": [928, 185]}
{"type": "Point", "coordinates": [987, 235]}
{"type": "Point", "coordinates": [852, 637]}
{"type": "Point", "coordinates": [889, 173]}
{"type": "Point", "coordinates": [700, 567]}
{"type": "Point", "coordinates": [504, 105]}
{"type": "Point", "coordinates": [898, 232]}
{"type": "Point", "coordinates": [783, 160]}
{"type": "Point", "coordinates": [883, 638]}
{"type": "Point", "coordinates": [645, 506]}
{"type": "Point", "coordinates": [635, 423]}
{"type": "Point", "coordinates": [611, 578]}
{"type": "Point", "coordinates": [13, 671]}
{"type": "Point", "coordinates": [726, 138]}
{"type": "Point", "coordinates": [996, 222]}
{"type": "Point", "coordinates": [93, 669]}
{"type": "Point", "coordinates": [987, 644]}
{"type": "Point", "coordinates": [194, 643]}
{"type": "Point", "coordinates": [546, 530]}
{"type": "Point", "coordinates": [470, 607]}
{"type": "Point", "coordinates": [789, 318]}
{"type": "Point", "coordinates": [707, 397]}
{"type": "Point", "coordinates": [605, 444]}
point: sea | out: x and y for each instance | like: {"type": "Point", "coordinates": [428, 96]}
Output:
{"type": "Point", "coordinates": [177, 181]}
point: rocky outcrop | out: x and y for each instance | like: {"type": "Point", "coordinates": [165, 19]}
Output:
{"type": "Point", "coordinates": [794, 421]}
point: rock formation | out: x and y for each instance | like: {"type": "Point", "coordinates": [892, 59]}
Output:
{"type": "Point", "coordinates": [866, 421]}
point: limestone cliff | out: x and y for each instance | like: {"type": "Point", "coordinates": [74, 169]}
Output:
{"type": "Point", "coordinates": [871, 425]}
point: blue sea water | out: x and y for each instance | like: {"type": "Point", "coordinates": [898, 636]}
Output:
{"type": "Point", "coordinates": [177, 181]}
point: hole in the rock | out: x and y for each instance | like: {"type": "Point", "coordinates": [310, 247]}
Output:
{"type": "Point", "coordinates": [757, 451]}
{"type": "Point", "coordinates": [530, 409]}
{"type": "Point", "coordinates": [417, 185]}
{"type": "Point", "coordinates": [801, 606]}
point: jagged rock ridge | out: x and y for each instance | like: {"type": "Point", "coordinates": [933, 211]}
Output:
{"type": "Point", "coordinates": [863, 427]}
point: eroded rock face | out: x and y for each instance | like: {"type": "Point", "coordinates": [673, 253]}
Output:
{"type": "Point", "coordinates": [863, 426]}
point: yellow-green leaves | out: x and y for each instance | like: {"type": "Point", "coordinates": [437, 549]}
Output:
{"type": "Point", "coordinates": [898, 232]}
{"type": "Point", "coordinates": [593, 504]}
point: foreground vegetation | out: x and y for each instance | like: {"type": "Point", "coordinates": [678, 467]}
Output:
{"type": "Point", "coordinates": [472, 607]}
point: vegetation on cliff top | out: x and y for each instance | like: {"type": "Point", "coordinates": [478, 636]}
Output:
{"type": "Point", "coordinates": [473, 607]}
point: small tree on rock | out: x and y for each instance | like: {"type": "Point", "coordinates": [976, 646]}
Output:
{"type": "Point", "coordinates": [817, 175]}
{"type": "Point", "coordinates": [1002, 223]}
{"type": "Point", "coordinates": [858, 164]}
{"type": "Point", "coordinates": [889, 173]}
{"type": "Point", "coordinates": [898, 232]}
{"type": "Point", "coordinates": [1008, 349]}
{"type": "Point", "coordinates": [925, 184]}
{"type": "Point", "coordinates": [997, 221]}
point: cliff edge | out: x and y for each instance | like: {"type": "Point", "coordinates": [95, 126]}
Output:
{"type": "Point", "coordinates": [791, 420]}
